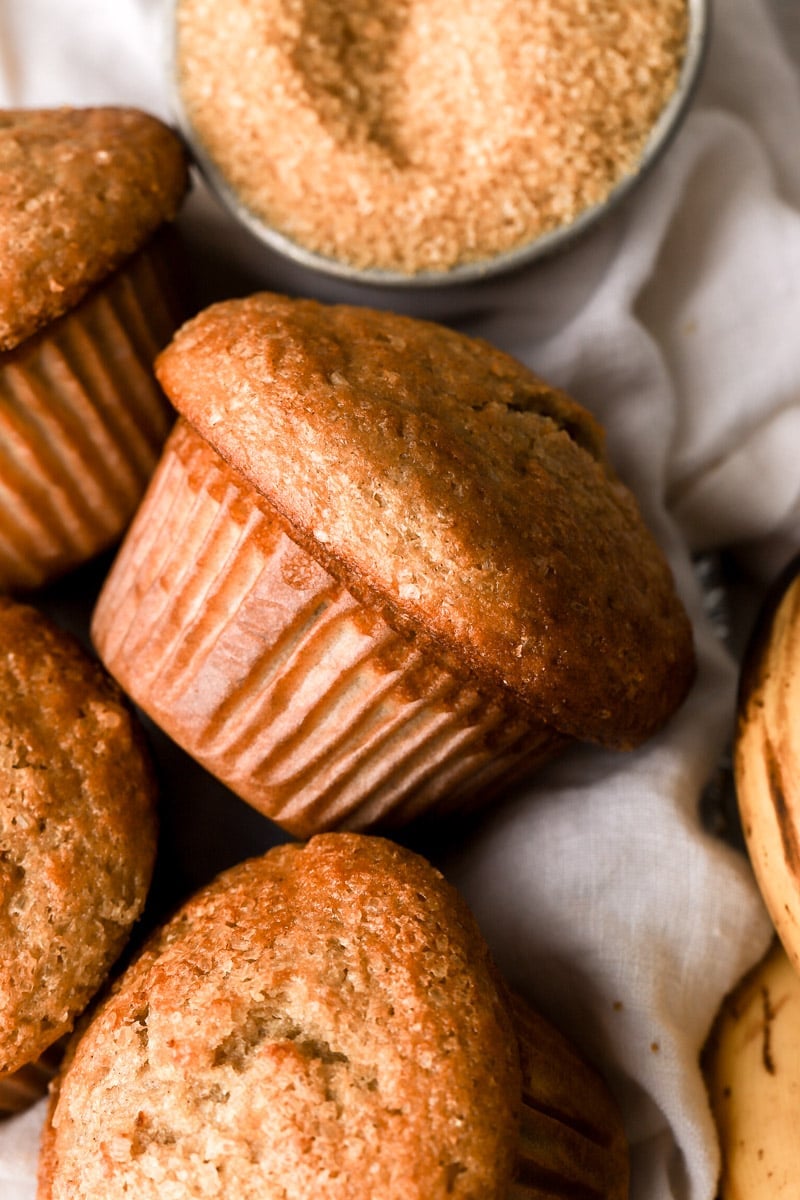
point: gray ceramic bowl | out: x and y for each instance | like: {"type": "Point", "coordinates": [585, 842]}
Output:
{"type": "Point", "coordinates": [545, 244]}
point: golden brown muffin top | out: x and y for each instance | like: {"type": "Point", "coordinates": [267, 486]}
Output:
{"type": "Point", "coordinates": [319, 1022]}
{"type": "Point", "coordinates": [77, 830]}
{"type": "Point", "coordinates": [80, 191]}
{"type": "Point", "coordinates": [434, 474]}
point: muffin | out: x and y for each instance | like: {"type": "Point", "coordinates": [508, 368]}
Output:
{"type": "Point", "coordinates": [382, 568]}
{"type": "Point", "coordinates": [322, 1021]}
{"type": "Point", "coordinates": [571, 1138]}
{"type": "Point", "coordinates": [87, 298]}
{"type": "Point", "coordinates": [77, 839]}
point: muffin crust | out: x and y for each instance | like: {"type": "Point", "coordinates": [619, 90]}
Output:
{"type": "Point", "coordinates": [440, 479]}
{"type": "Point", "coordinates": [322, 1021]}
{"type": "Point", "coordinates": [77, 831]}
{"type": "Point", "coordinates": [82, 190]}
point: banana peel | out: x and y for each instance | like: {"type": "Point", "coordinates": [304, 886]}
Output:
{"type": "Point", "coordinates": [752, 1060]}
{"type": "Point", "coordinates": [752, 1070]}
{"type": "Point", "coordinates": [767, 757]}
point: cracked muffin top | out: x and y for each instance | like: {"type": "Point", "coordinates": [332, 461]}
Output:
{"type": "Point", "coordinates": [440, 479]}
{"type": "Point", "coordinates": [322, 1021]}
{"type": "Point", "coordinates": [77, 831]}
{"type": "Point", "coordinates": [81, 190]}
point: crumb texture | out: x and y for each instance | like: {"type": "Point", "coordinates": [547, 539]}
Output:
{"type": "Point", "coordinates": [323, 1021]}
{"type": "Point", "coordinates": [82, 190]}
{"type": "Point", "coordinates": [77, 831]}
{"type": "Point", "coordinates": [417, 134]}
{"type": "Point", "coordinates": [438, 477]}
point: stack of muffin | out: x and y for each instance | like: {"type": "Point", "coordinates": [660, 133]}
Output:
{"type": "Point", "coordinates": [376, 573]}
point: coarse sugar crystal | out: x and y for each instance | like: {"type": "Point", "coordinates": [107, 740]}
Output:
{"type": "Point", "coordinates": [415, 135]}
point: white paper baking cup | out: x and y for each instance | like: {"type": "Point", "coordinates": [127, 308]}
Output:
{"type": "Point", "coordinates": [276, 679]}
{"type": "Point", "coordinates": [29, 1083]}
{"type": "Point", "coordinates": [82, 423]}
{"type": "Point", "coordinates": [572, 1141]}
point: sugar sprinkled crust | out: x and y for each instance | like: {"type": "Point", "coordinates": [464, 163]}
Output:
{"type": "Point", "coordinates": [442, 480]}
{"type": "Point", "coordinates": [322, 1021]}
{"type": "Point", "coordinates": [81, 190]}
{"type": "Point", "coordinates": [77, 831]}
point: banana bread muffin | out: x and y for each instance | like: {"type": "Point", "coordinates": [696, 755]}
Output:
{"type": "Point", "coordinates": [87, 298]}
{"type": "Point", "coordinates": [322, 1021]}
{"type": "Point", "coordinates": [382, 566]}
{"type": "Point", "coordinates": [77, 837]}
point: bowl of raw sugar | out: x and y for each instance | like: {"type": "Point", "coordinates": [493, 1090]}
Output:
{"type": "Point", "coordinates": [425, 142]}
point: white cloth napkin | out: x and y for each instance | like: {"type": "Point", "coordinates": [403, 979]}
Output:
{"type": "Point", "coordinates": [676, 322]}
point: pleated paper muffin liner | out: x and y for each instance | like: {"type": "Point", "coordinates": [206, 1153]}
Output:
{"type": "Point", "coordinates": [82, 422]}
{"type": "Point", "coordinates": [572, 1140]}
{"type": "Point", "coordinates": [28, 1084]}
{"type": "Point", "coordinates": [276, 679]}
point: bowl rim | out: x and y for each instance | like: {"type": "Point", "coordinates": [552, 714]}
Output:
{"type": "Point", "coordinates": [543, 246]}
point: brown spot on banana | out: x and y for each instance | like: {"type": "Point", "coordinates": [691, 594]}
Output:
{"type": "Point", "coordinates": [784, 814]}
{"type": "Point", "coordinates": [751, 1065]}
{"type": "Point", "coordinates": [769, 1015]}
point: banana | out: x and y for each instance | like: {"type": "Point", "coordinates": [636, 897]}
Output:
{"type": "Point", "coordinates": [752, 1070]}
{"type": "Point", "coordinates": [767, 756]}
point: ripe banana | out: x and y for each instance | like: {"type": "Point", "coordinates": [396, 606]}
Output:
{"type": "Point", "coordinates": [767, 757]}
{"type": "Point", "coordinates": [752, 1069]}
